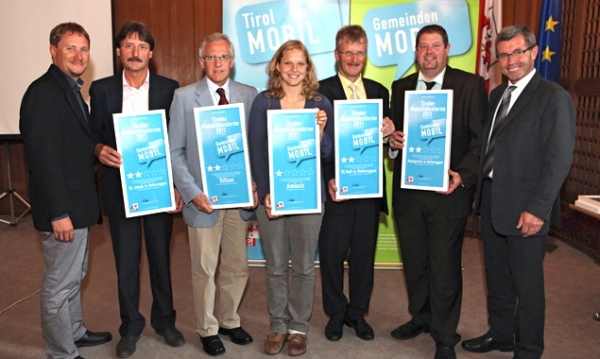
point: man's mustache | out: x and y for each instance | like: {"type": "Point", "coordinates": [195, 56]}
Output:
{"type": "Point", "coordinates": [134, 58]}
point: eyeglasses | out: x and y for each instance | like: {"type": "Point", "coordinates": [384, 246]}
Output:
{"type": "Point", "coordinates": [352, 53]}
{"type": "Point", "coordinates": [515, 53]}
{"type": "Point", "coordinates": [213, 58]}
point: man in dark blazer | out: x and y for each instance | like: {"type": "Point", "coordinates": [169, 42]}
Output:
{"type": "Point", "coordinates": [136, 89]}
{"type": "Point", "coordinates": [431, 225]}
{"type": "Point", "coordinates": [62, 186]}
{"type": "Point", "coordinates": [526, 155]}
{"type": "Point", "coordinates": [349, 228]}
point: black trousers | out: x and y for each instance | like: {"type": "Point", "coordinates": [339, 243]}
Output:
{"type": "Point", "coordinates": [515, 281]}
{"type": "Point", "coordinates": [431, 247]}
{"type": "Point", "coordinates": [348, 232]}
{"type": "Point", "coordinates": [126, 236]}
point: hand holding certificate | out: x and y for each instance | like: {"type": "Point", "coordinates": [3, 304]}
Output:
{"type": "Point", "coordinates": [358, 148]}
{"type": "Point", "coordinates": [146, 174]}
{"type": "Point", "coordinates": [428, 134]}
{"type": "Point", "coordinates": [294, 162]}
{"type": "Point", "coordinates": [221, 134]}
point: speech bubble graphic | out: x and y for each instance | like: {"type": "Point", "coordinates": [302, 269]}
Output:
{"type": "Point", "coordinates": [300, 152]}
{"type": "Point", "coordinates": [153, 151]}
{"type": "Point", "coordinates": [364, 139]}
{"type": "Point", "coordinates": [231, 145]}
{"type": "Point", "coordinates": [432, 130]}
{"type": "Point", "coordinates": [263, 28]}
{"type": "Point", "coordinates": [392, 30]}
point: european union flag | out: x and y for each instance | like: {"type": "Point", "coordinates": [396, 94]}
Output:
{"type": "Point", "coordinates": [549, 40]}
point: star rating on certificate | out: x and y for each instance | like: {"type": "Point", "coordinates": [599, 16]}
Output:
{"type": "Point", "coordinates": [344, 159]}
{"type": "Point", "coordinates": [138, 174]}
{"type": "Point", "coordinates": [413, 149]}
{"type": "Point", "coordinates": [279, 173]}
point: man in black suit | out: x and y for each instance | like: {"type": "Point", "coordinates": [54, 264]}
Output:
{"type": "Point", "coordinates": [349, 228]}
{"type": "Point", "coordinates": [528, 144]}
{"type": "Point", "coordinates": [431, 225]}
{"type": "Point", "coordinates": [62, 186]}
{"type": "Point", "coordinates": [134, 90]}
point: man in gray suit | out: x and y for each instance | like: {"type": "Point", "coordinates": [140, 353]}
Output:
{"type": "Point", "coordinates": [526, 155]}
{"type": "Point", "coordinates": [211, 231]}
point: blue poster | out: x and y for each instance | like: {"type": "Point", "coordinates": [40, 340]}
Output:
{"type": "Point", "coordinates": [428, 135]}
{"type": "Point", "coordinates": [358, 148]}
{"type": "Point", "coordinates": [221, 134]}
{"type": "Point", "coordinates": [146, 173]}
{"type": "Point", "coordinates": [294, 161]}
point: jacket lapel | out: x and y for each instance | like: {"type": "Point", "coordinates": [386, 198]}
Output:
{"type": "Point", "coordinates": [521, 103]}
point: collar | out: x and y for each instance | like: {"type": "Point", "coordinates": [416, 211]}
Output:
{"type": "Point", "coordinates": [146, 81]}
{"type": "Point", "coordinates": [439, 79]}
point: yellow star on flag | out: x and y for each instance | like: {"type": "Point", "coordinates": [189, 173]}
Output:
{"type": "Point", "coordinates": [547, 54]}
{"type": "Point", "coordinates": [550, 24]}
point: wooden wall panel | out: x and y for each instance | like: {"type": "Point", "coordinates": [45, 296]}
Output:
{"type": "Point", "coordinates": [177, 27]}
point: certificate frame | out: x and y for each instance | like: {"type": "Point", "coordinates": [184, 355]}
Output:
{"type": "Point", "coordinates": [358, 148]}
{"type": "Point", "coordinates": [428, 138]}
{"type": "Point", "coordinates": [146, 175]}
{"type": "Point", "coordinates": [224, 159]}
{"type": "Point", "coordinates": [294, 161]}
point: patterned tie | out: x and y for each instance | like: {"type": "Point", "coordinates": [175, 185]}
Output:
{"type": "Point", "coordinates": [500, 116]}
{"type": "Point", "coordinates": [222, 98]}
{"type": "Point", "coordinates": [429, 84]}
{"type": "Point", "coordinates": [354, 90]}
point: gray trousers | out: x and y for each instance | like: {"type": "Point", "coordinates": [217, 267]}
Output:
{"type": "Point", "coordinates": [296, 236]}
{"type": "Point", "coordinates": [62, 317]}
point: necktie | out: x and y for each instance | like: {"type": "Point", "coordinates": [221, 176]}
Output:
{"type": "Point", "coordinates": [354, 90]}
{"type": "Point", "coordinates": [500, 116]}
{"type": "Point", "coordinates": [222, 98]}
{"type": "Point", "coordinates": [429, 84]}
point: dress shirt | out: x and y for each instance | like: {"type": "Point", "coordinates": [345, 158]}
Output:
{"type": "Point", "coordinates": [360, 87]}
{"type": "Point", "coordinates": [136, 100]}
{"type": "Point", "coordinates": [520, 85]}
{"type": "Point", "coordinates": [212, 88]}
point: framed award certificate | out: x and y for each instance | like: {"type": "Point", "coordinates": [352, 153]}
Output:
{"type": "Point", "coordinates": [221, 134]}
{"type": "Point", "coordinates": [428, 135]}
{"type": "Point", "coordinates": [146, 176]}
{"type": "Point", "coordinates": [358, 148]}
{"type": "Point", "coordinates": [294, 161]}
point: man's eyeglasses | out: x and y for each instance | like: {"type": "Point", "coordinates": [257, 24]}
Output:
{"type": "Point", "coordinates": [516, 53]}
{"type": "Point", "coordinates": [352, 53]}
{"type": "Point", "coordinates": [213, 58]}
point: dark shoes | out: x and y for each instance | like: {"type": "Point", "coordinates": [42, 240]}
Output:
{"type": "Point", "coordinates": [484, 344]}
{"type": "Point", "coordinates": [212, 345]}
{"type": "Point", "coordinates": [444, 351]}
{"type": "Point", "coordinates": [126, 346]}
{"type": "Point", "coordinates": [409, 330]}
{"type": "Point", "coordinates": [172, 337]}
{"type": "Point", "coordinates": [334, 330]}
{"type": "Point", "coordinates": [362, 328]}
{"type": "Point", "coordinates": [90, 339]}
{"type": "Point", "coordinates": [237, 335]}
{"type": "Point", "coordinates": [597, 316]}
